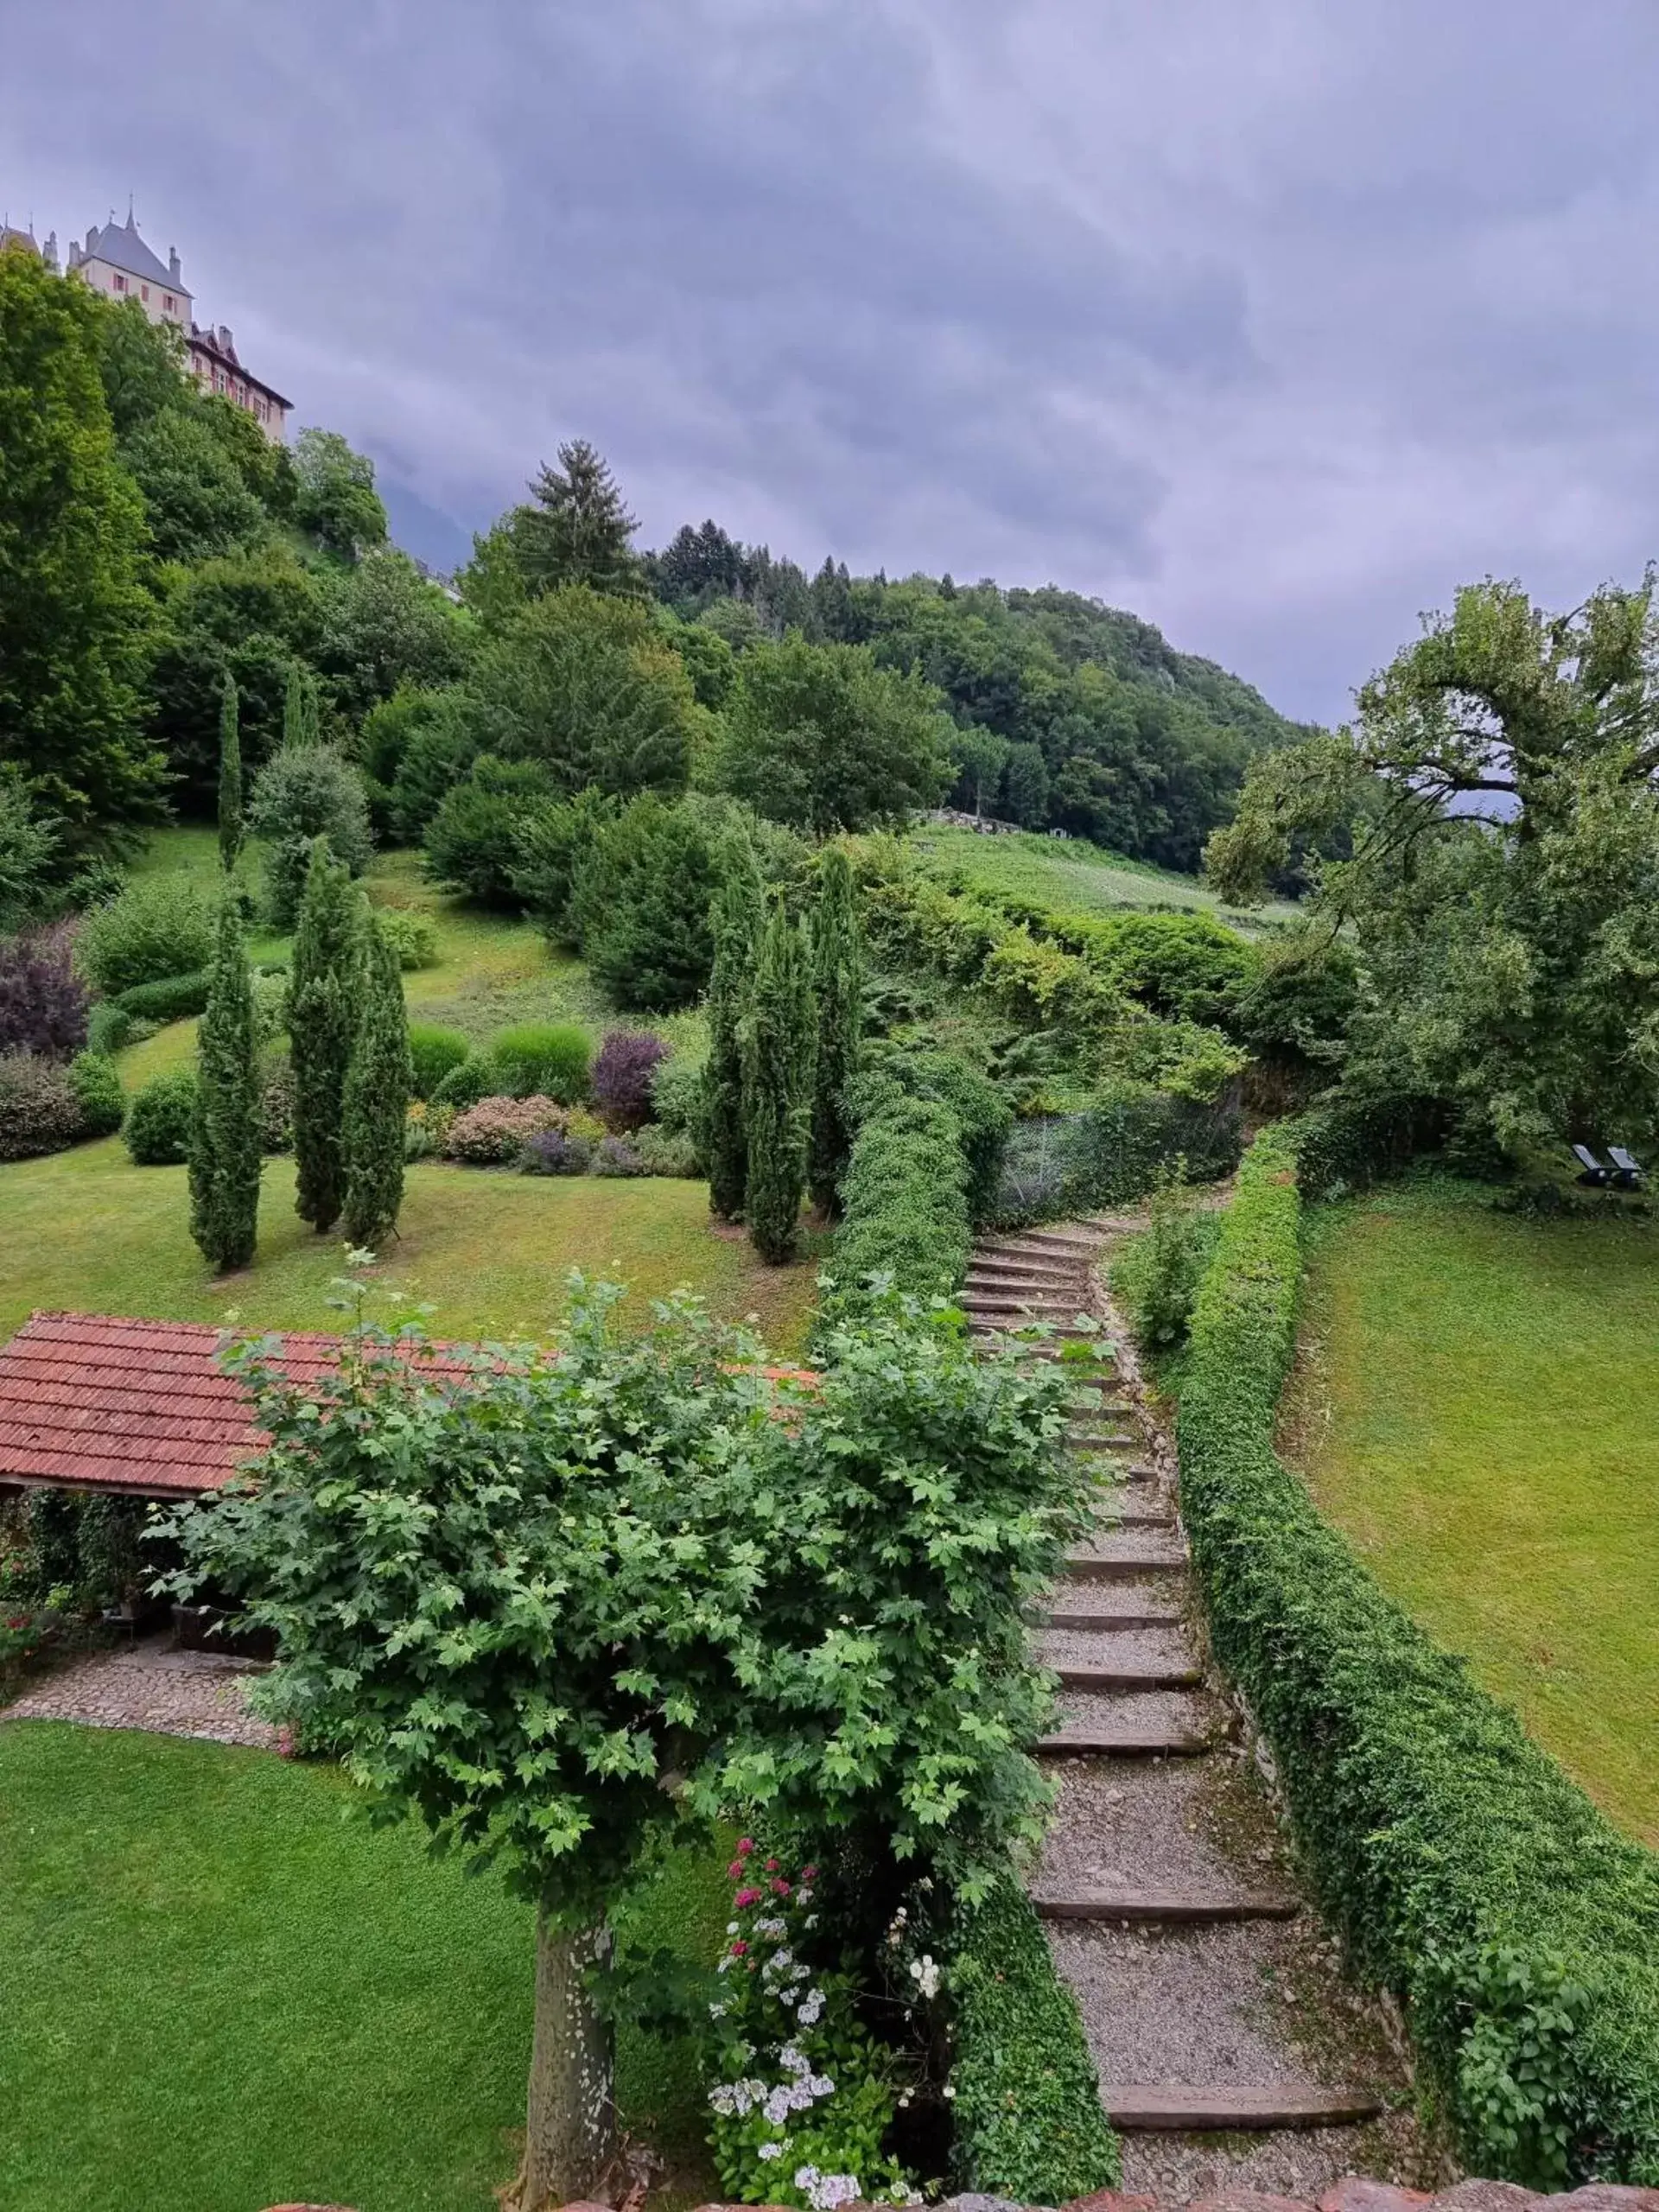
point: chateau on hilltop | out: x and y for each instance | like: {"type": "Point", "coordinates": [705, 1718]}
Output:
{"type": "Point", "coordinates": [117, 261]}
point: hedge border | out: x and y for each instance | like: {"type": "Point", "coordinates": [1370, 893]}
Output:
{"type": "Point", "coordinates": [1469, 1875]}
{"type": "Point", "coordinates": [1027, 2116]}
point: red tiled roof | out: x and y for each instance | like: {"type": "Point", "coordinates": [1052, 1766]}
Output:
{"type": "Point", "coordinates": [104, 1403]}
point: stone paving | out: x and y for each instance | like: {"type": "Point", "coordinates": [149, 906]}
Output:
{"type": "Point", "coordinates": [200, 1693]}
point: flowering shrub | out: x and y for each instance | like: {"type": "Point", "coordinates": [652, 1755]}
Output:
{"type": "Point", "coordinates": [552, 1152]}
{"type": "Point", "coordinates": [803, 2094]}
{"type": "Point", "coordinates": [497, 1130]}
{"type": "Point", "coordinates": [623, 1074]}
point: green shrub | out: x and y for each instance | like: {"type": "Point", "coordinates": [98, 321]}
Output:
{"type": "Point", "coordinates": [433, 1051]}
{"type": "Point", "coordinates": [1469, 1875]}
{"type": "Point", "coordinates": [677, 1097]}
{"type": "Point", "coordinates": [467, 1082]}
{"type": "Point", "coordinates": [1111, 1153]}
{"type": "Point", "coordinates": [983, 1117]}
{"type": "Point", "coordinates": [40, 1111]}
{"type": "Point", "coordinates": [108, 1026]}
{"type": "Point", "coordinates": [411, 936]}
{"type": "Point", "coordinates": [1029, 2120]}
{"type": "Point", "coordinates": [160, 1118]}
{"type": "Point", "coordinates": [1355, 1137]}
{"type": "Point", "coordinates": [1158, 1274]}
{"type": "Point", "coordinates": [471, 842]}
{"type": "Point", "coordinates": [304, 793]}
{"type": "Point", "coordinates": [158, 926]}
{"type": "Point", "coordinates": [172, 998]}
{"type": "Point", "coordinates": [96, 1086]}
{"type": "Point", "coordinates": [268, 989]}
{"type": "Point", "coordinates": [666, 1152]}
{"type": "Point", "coordinates": [550, 1057]}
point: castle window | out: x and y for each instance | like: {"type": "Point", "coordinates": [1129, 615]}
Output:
{"type": "Point", "coordinates": [167, 302]}
{"type": "Point", "coordinates": [120, 281]}
{"type": "Point", "coordinates": [146, 291]}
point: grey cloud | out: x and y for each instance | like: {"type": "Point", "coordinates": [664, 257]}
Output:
{"type": "Point", "coordinates": [1271, 321]}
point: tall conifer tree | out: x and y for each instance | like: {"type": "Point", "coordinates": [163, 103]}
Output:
{"type": "Point", "coordinates": [376, 1098]}
{"type": "Point", "coordinates": [322, 1009]}
{"type": "Point", "coordinates": [230, 776]}
{"type": "Point", "coordinates": [225, 1135]}
{"type": "Point", "coordinates": [578, 529]}
{"type": "Point", "coordinates": [778, 1048]}
{"type": "Point", "coordinates": [300, 724]}
{"type": "Point", "coordinates": [739, 911]}
{"type": "Point", "coordinates": [838, 989]}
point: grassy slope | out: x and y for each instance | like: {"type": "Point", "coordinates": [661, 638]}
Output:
{"type": "Point", "coordinates": [87, 1230]}
{"type": "Point", "coordinates": [218, 1992]}
{"type": "Point", "coordinates": [1071, 875]}
{"type": "Point", "coordinates": [1479, 1409]}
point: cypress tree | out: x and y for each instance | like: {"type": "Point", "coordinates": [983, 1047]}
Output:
{"type": "Point", "coordinates": [838, 989]}
{"type": "Point", "coordinates": [737, 914]}
{"type": "Point", "coordinates": [778, 1047]}
{"type": "Point", "coordinates": [230, 776]}
{"type": "Point", "coordinates": [300, 725]}
{"type": "Point", "coordinates": [376, 1098]}
{"type": "Point", "coordinates": [322, 993]}
{"type": "Point", "coordinates": [225, 1135]}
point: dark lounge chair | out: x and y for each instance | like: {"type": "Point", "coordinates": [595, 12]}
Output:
{"type": "Point", "coordinates": [1627, 1171]}
{"type": "Point", "coordinates": [1594, 1174]}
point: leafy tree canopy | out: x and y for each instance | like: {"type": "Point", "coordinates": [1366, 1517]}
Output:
{"type": "Point", "coordinates": [1502, 894]}
{"type": "Point", "coordinates": [334, 497]}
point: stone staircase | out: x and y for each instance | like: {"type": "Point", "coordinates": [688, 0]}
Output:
{"type": "Point", "coordinates": [1230, 2052]}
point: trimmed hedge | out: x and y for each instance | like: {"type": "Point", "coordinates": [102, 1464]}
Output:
{"type": "Point", "coordinates": [173, 999]}
{"type": "Point", "coordinates": [905, 1201]}
{"type": "Point", "coordinates": [160, 1118]}
{"type": "Point", "coordinates": [1468, 1874]}
{"type": "Point", "coordinates": [1028, 2122]}
{"type": "Point", "coordinates": [97, 1085]}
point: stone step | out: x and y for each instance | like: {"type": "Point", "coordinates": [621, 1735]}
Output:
{"type": "Point", "coordinates": [1111, 1562]}
{"type": "Point", "coordinates": [1146, 1677]}
{"type": "Point", "coordinates": [1049, 1275]}
{"type": "Point", "coordinates": [1107, 1427]}
{"type": "Point", "coordinates": [1060, 1323]}
{"type": "Point", "coordinates": [1127, 1739]}
{"type": "Point", "coordinates": [1143, 2107]}
{"type": "Point", "coordinates": [1188, 1906]}
{"type": "Point", "coordinates": [1081, 1242]}
{"type": "Point", "coordinates": [1140, 1612]}
{"type": "Point", "coordinates": [1141, 1512]}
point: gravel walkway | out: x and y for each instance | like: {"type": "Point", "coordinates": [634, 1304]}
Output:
{"type": "Point", "coordinates": [200, 1693]}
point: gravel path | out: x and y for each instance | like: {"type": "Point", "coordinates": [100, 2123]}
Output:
{"type": "Point", "coordinates": [169, 1693]}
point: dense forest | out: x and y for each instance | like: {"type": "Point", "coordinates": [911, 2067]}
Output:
{"type": "Point", "coordinates": [1068, 714]}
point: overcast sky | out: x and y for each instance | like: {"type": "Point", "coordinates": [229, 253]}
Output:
{"type": "Point", "coordinates": [1271, 320]}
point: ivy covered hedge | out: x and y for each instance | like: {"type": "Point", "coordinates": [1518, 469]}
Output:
{"type": "Point", "coordinates": [1468, 1874]}
{"type": "Point", "coordinates": [1028, 2122]}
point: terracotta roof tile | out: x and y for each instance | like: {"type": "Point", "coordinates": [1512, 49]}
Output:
{"type": "Point", "coordinates": [106, 1403]}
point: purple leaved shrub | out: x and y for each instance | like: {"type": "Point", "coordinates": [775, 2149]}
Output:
{"type": "Point", "coordinates": [616, 1156]}
{"type": "Point", "coordinates": [627, 1063]}
{"type": "Point", "coordinates": [551, 1152]}
{"type": "Point", "coordinates": [43, 1003]}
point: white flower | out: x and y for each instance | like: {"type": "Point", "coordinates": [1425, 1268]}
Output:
{"type": "Point", "coordinates": [926, 1974]}
{"type": "Point", "coordinates": [949, 2090]}
{"type": "Point", "coordinates": [716, 2012]}
{"type": "Point", "coordinates": [802, 1897]}
{"type": "Point", "coordinates": [731, 1927]}
{"type": "Point", "coordinates": [770, 2150]}
{"type": "Point", "coordinates": [794, 2060]}
{"type": "Point", "coordinates": [778, 2106]}
{"type": "Point", "coordinates": [811, 2010]}
{"type": "Point", "coordinates": [820, 2085]}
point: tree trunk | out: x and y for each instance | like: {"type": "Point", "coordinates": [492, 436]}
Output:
{"type": "Point", "coordinates": [572, 2130]}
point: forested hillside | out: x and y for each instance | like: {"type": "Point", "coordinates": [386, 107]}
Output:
{"type": "Point", "coordinates": [1069, 713]}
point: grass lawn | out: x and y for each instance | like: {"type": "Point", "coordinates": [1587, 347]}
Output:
{"type": "Point", "coordinates": [1073, 876]}
{"type": "Point", "coordinates": [216, 1991]}
{"type": "Point", "coordinates": [1479, 1409]}
{"type": "Point", "coordinates": [88, 1231]}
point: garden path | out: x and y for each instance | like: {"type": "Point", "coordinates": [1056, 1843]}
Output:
{"type": "Point", "coordinates": [200, 1693]}
{"type": "Point", "coordinates": [1230, 2051]}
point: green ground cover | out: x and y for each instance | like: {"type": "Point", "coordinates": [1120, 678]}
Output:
{"type": "Point", "coordinates": [218, 1991]}
{"type": "Point", "coordinates": [1477, 1408]}
{"type": "Point", "coordinates": [1071, 875]}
